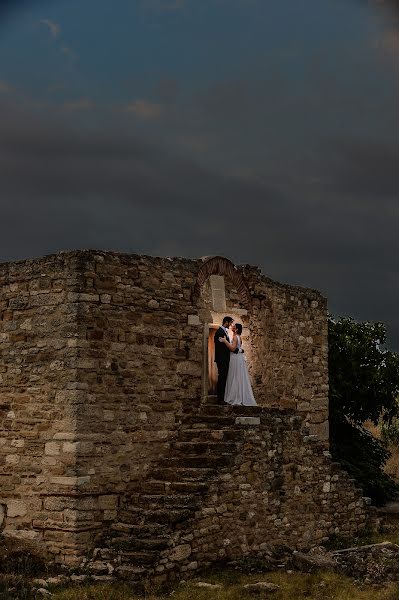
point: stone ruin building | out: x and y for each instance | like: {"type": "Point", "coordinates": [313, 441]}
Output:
{"type": "Point", "coordinates": [111, 440]}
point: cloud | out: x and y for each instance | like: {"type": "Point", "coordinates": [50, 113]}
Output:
{"type": "Point", "coordinates": [81, 104]}
{"type": "Point", "coordinates": [5, 87]}
{"type": "Point", "coordinates": [56, 87]}
{"type": "Point", "coordinates": [144, 109]}
{"type": "Point", "coordinates": [163, 5]}
{"type": "Point", "coordinates": [53, 27]}
{"type": "Point", "coordinates": [71, 54]}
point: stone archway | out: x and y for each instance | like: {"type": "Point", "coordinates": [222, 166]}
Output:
{"type": "Point", "coordinates": [218, 265]}
{"type": "Point", "coordinates": [211, 280]}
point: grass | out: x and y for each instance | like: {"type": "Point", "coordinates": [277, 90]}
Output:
{"type": "Point", "coordinates": [322, 586]}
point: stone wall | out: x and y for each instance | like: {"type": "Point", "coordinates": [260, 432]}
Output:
{"type": "Point", "coordinates": [100, 355]}
{"type": "Point", "coordinates": [285, 339]}
{"type": "Point", "coordinates": [281, 488]}
{"type": "Point", "coordinates": [234, 482]}
{"type": "Point", "coordinates": [38, 329]}
{"type": "Point", "coordinates": [289, 336]}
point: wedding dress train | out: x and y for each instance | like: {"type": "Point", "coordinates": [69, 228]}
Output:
{"type": "Point", "coordinates": [238, 385]}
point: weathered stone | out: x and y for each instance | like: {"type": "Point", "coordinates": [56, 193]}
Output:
{"type": "Point", "coordinates": [309, 563]}
{"type": "Point", "coordinates": [247, 421]}
{"type": "Point", "coordinates": [180, 553]}
{"type": "Point", "coordinates": [103, 364]}
{"type": "Point", "coordinates": [43, 592]}
{"type": "Point", "coordinates": [193, 320]}
{"type": "Point", "coordinates": [16, 508]}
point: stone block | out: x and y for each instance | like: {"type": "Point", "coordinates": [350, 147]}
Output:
{"type": "Point", "coordinates": [54, 503]}
{"type": "Point", "coordinates": [18, 443]}
{"type": "Point", "coordinates": [247, 421]}
{"type": "Point", "coordinates": [70, 447]}
{"type": "Point", "coordinates": [52, 449]}
{"type": "Point", "coordinates": [193, 320]}
{"type": "Point", "coordinates": [179, 553]}
{"type": "Point", "coordinates": [108, 502]}
{"type": "Point", "coordinates": [70, 481]}
{"type": "Point", "coordinates": [321, 430]}
{"type": "Point", "coordinates": [16, 508]}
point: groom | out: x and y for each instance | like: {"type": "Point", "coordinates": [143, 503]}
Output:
{"type": "Point", "coordinates": [222, 356]}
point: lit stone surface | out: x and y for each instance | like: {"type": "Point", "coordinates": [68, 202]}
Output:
{"type": "Point", "coordinates": [16, 508]}
{"type": "Point", "coordinates": [193, 320]}
{"type": "Point", "coordinates": [104, 386]}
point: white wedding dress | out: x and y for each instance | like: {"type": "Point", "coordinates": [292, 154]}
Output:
{"type": "Point", "coordinates": [238, 386]}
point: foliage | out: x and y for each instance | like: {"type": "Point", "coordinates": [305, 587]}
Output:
{"type": "Point", "coordinates": [364, 385]}
{"type": "Point", "coordinates": [363, 457]}
{"type": "Point", "coordinates": [15, 587]}
{"type": "Point", "coordinates": [364, 375]}
{"type": "Point", "coordinates": [390, 432]}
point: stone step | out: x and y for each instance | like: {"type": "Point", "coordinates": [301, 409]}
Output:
{"type": "Point", "coordinates": [155, 487]}
{"type": "Point", "coordinates": [211, 447]}
{"type": "Point", "coordinates": [207, 434]}
{"type": "Point", "coordinates": [169, 501]}
{"type": "Point", "coordinates": [196, 487]}
{"type": "Point", "coordinates": [142, 516]}
{"type": "Point", "coordinates": [212, 399]}
{"type": "Point", "coordinates": [210, 421]}
{"type": "Point", "coordinates": [217, 410]}
{"type": "Point", "coordinates": [128, 527]}
{"type": "Point", "coordinates": [156, 543]}
{"type": "Point", "coordinates": [168, 516]}
{"type": "Point", "coordinates": [180, 474]}
{"type": "Point", "coordinates": [133, 543]}
{"type": "Point", "coordinates": [199, 462]}
{"type": "Point", "coordinates": [139, 558]}
{"type": "Point", "coordinates": [131, 573]}
{"type": "Point", "coordinates": [151, 486]}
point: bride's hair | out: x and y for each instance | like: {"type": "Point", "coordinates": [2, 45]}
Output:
{"type": "Point", "coordinates": [239, 328]}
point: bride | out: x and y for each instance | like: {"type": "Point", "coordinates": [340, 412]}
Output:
{"type": "Point", "coordinates": [238, 385]}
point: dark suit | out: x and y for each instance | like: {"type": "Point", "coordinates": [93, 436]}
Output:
{"type": "Point", "coordinates": [222, 359]}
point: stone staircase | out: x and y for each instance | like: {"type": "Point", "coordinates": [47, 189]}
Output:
{"type": "Point", "coordinates": [205, 445]}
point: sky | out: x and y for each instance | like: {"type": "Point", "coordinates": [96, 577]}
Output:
{"type": "Point", "coordinates": [262, 130]}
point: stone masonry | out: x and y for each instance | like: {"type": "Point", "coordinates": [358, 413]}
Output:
{"type": "Point", "coordinates": [109, 438]}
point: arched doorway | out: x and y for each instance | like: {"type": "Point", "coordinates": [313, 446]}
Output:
{"type": "Point", "coordinates": [220, 290]}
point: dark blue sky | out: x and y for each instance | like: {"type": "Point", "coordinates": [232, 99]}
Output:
{"type": "Point", "coordinates": [266, 131]}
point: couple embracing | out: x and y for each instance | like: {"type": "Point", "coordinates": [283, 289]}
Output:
{"type": "Point", "coordinates": [234, 386]}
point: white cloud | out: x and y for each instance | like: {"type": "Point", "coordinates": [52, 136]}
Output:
{"type": "Point", "coordinates": [53, 27]}
{"type": "Point", "coordinates": [144, 109]}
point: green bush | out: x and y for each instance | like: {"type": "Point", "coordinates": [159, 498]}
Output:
{"type": "Point", "coordinates": [364, 385]}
